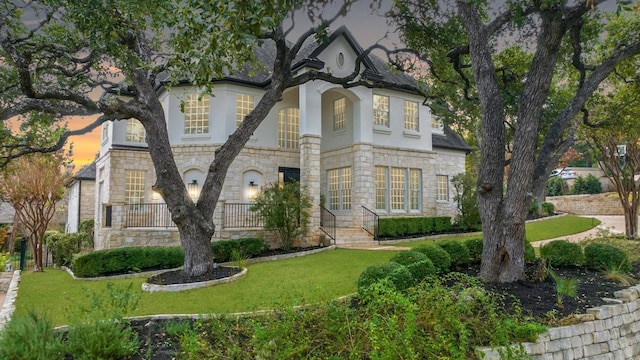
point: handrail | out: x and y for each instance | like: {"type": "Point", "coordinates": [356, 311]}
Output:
{"type": "Point", "coordinates": [239, 215]}
{"type": "Point", "coordinates": [370, 222]}
{"type": "Point", "coordinates": [148, 215]}
{"type": "Point", "coordinates": [328, 221]}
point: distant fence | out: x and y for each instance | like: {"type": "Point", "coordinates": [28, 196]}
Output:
{"type": "Point", "coordinates": [23, 258]}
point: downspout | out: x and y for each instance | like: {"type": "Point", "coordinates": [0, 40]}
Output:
{"type": "Point", "coordinates": [79, 204]}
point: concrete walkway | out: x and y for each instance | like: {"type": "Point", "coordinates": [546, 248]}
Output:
{"type": "Point", "coordinates": [609, 224]}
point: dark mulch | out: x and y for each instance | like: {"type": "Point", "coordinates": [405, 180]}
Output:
{"type": "Point", "coordinates": [178, 277]}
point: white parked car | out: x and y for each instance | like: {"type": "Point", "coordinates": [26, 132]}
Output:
{"type": "Point", "coordinates": [564, 174]}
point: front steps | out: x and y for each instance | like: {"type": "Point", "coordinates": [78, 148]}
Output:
{"type": "Point", "coordinates": [347, 236]}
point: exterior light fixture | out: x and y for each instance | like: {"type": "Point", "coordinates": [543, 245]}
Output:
{"type": "Point", "coordinates": [193, 190]}
{"type": "Point", "coordinates": [253, 190]}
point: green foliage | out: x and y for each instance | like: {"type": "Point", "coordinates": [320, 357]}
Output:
{"type": "Point", "coordinates": [548, 208]}
{"type": "Point", "coordinates": [457, 251]}
{"type": "Point", "coordinates": [399, 226]}
{"type": "Point", "coordinates": [4, 257]}
{"type": "Point", "coordinates": [128, 259]}
{"type": "Point", "coordinates": [564, 287]}
{"type": "Point", "coordinates": [529, 252]}
{"type": "Point", "coordinates": [421, 270]}
{"type": "Point", "coordinates": [101, 340]}
{"type": "Point", "coordinates": [468, 213]}
{"type": "Point", "coordinates": [30, 337]}
{"type": "Point", "coordinates": [533, 207]}
{"type": "Point", "coordinates": [65, 246]}
{"type": "Point", "coordinates": [562, 253]}
{"type": "Point", "coordinates": [396, 274]}
{"type": "Point", "coordinates": [588, 185]}
{"type": "Point", "coordinates": [604, 257]}
{"type": "Point", "coordinates": [556, 186]}
{"type": "Point", "coordinates": [407, 257]}
{"type": "Point", "coordinates": [474, 246]}
{"type": "Point", "coordinates": [439, 257]}
{"type": "Point", "coordinates": [284, 209]}
{"type": "Point", "coordinates": [249, 247]}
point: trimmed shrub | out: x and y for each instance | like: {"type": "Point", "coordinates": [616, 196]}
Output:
{"type": "Point", "coordinates": [456, 249]}
{"type": "Point", "coordinates": [556, 186]}
{"type": "Point", "coordinates": [250, 247]}
{"type": "Point", "coordinates": [408, 257]}
{"type": "Point", "coordinates": [562, 253]}
{"type": "Point", "coordinates": [604, 257]}
{"type": "Point", "coordinates": [529, 252]}
{"type": "Point", "coordinates": [397, 274]}
{"type": "Point", "coordinates": [407, 226]}
{"type": "Point", "coordinates": [588, 185]}
{"type": "Point", "coordinates": [127, 260]}
{"type": "Point", "coordinates": [548, 208]}
{"type": "Point", "coordinates": [421, 270]}
{"type": "Point", "coordinates": [442, 224]}
{"type": "Point", "coordinates": [475, 248]}
{"type": "Point", "coordinates": [439, 257]}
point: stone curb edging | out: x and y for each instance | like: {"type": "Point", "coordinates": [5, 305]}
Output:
{"type": "Point", "coordinates": [123, 276]}
{"type": "Point", "coordinates": [9, 301]}
{"type": "Point", "coordinates": [195, 285]}
{"type": "Point", "coordinates": [610, 331]}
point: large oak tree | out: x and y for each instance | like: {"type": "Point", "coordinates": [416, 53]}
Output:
{"type": "Point", "coordinates": [51, 62]}
{"type": "Point", "coordinates": [464, 42]}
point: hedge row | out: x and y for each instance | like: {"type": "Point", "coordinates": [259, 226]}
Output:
{"type": "Point", "coordinates": [600, 257]}
{"type": "Point", "coordinates": [143, 258]}
{"type": "Point", "coordinates": [392, 227]}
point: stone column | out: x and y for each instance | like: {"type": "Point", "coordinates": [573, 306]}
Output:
{"type": "Point", "coordinates": [363, 182]}
{"type": "Point", "coordinates": [310, 177]}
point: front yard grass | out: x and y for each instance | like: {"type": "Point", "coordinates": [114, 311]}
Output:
{"type": "Point", "coordinates": [302, 280]}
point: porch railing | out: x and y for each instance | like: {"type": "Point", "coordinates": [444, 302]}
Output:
{"type": "Point", "coordinates": [147, 215]}
{"type": "Point", "coordinates": [370, 222]}
{"type": "Point", "coordinates": [328, 223]}
{"type": "Point", "coordinates": [239, 215]}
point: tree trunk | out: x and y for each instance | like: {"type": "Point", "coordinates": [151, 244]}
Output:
{"type": "Point", "coordinates": [198, 254]}
{"type": "Point", "coordinates": [630, 221]}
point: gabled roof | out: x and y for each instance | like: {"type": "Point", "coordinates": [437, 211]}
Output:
{"type": "Point", "coordinates": [86, 173]}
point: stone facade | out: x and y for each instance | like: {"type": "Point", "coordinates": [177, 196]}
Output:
{"type": "Point", "coordinates": [597, 204]}
{"type": "Point", "coordinates": [607, 332]}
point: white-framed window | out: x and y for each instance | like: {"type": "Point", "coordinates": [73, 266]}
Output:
{"type": "Point", "coordinates": [289, 128]}
{"type": "Point", "coordinates": [442, 188]}
{"type": "Point", "coordinates": [135, 131]}
{"type": "Point", "coordinates": [196, 114]}
{"type": "Point", "coordinates": [339, 182]}
{"type": "Point", "coordinates": [134, 187]}
{"type": "Point", "coordinates": [436, 123]}
{"type": "Point", "coordinates": [339, 113]}
{"type": "Point", "coordinates": [380, 110]}
{"type": "Point", "coordinates": [244, 105]}
{"type": "Point", "coordinates": [398, 189]}
{"type": "Point", "coordinates": [105, 131]}
{"type": "Point", "coordinates": [411, 115]}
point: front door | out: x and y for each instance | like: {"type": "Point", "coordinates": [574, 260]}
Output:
{"type": "Point", "coordinates": [286, 174]}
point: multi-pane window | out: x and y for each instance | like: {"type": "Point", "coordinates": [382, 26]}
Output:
{"type": "Point", "coordinates": [339, 181]}
{"type": "Point", "coordinates": [398, 189]}
{"type": "Point", "coordinates": [442, 187]}
{"type": "Point", "coordinates": [411, 115]}
{"type": "Point", "coordinates": [381, 110]}
{"type": "Point", "coordinates": [134, 187]}
{"type": "Point", "coordinates": [436, 123]}
{"type": "Point", "coordinates": [381, 188]}
{"type": "Point", "coordinates": [289, 128]}
{"type": "Point", "coordinates": [196, 114]}
{"type": "Point", "coordinates": [414, 189]}
{"type": "Point", "coordinates": [244, 105]}
{"type": "Point", "coordinates": [339, 113]}
{"type": "Point", "coordinates": [105, 131]}
{"type": "Point", "coordinates": [135, 131]}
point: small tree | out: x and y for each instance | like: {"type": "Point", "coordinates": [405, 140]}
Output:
{"type": "Point", "coordinates": [33, 184]}
{"type": "Point", "coordinates": [285, 209]}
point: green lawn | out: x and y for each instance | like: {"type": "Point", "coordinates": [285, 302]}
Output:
{"type": "Point", "coordinates": [267, 285]}
{"type": "Point", "coordinates": [535, 231]}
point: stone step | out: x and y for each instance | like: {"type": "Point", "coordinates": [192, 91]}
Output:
{"type": "Point", "coordinates": [352, 235]}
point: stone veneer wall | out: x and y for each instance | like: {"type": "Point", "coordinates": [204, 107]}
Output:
{"type": "Point", "coordinates": [597, 204]}
{"type": "Point", "coordinates": [608, 332]}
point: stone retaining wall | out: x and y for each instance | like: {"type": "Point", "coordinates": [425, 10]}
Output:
{"type": "Point", "coordinates": [597, 204]}
{"type": "Point", "coordinates": [607, 332]}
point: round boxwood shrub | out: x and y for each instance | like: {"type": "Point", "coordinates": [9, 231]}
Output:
{"type": "Point", "coordinates": [408, 257]}
{"type": "Point", "coordinates": [604, 257]}
{"type": "Point", "coordinates": [438, 256]}
{"type": "Point", "coordinates": [474, 246]}
{"type": "Point", "coordinates": [456, 249]}
{"type": "Point", "coordinates": [397, 274]}
{"type": "Point", "coordinates": [421, 270]}
{"type": "Point", "coordinates": [562, 253]}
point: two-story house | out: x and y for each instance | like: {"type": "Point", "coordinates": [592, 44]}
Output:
{"type": "Point", "coordinates": [358, 151]}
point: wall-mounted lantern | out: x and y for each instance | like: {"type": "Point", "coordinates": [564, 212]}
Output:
{"type": "Point", "coordinates": [253, 190]}
{"type": "Point", "coordinates": [193, 189]}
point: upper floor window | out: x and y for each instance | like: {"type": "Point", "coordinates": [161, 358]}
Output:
{"type": "Point", "coordinates": [289, 128]}
{"type": "Point", "coordinates": [411, 115]}
{"type": "Point", "coordinates": [196, 114]}
{"type": "Point", "coordinates": [380, 110]}
{"type": "Point", "coordinates": [134, 187]}
{"type": "Point", "coordinates": [135, 131]}
{"type": "Point", "coordinates": [105, 131]}
{"type": "Point", "coordinates": [442, 188]}
{"type": "Point", "coordinates": [339, 113]}
{"type": "Point", "coordinates": [339, 181]}
{"type": "Point", "coordinates": [244, 105]}
{"type": "Point", "coordinates": [436, 123]}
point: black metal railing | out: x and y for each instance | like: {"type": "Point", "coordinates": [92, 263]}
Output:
{"type": "Point", "coordinates": [370, 222]}
{"type": "Point", "coordinates": [239, 215]}
{"type": "Point", "coordinates": [328, 223]}
{"type": "Point", "coordinates": [147, 215]}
